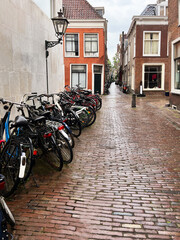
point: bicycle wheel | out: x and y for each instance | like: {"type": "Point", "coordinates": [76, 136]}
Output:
{"type": "Point", "coordinates": [92, 116]}
{"type": "Point", "coordinates": [83, 117]}
{"type": "Point", "coordinates": [73, 122]}
{"type": "Point", "coordinates": [6, 212]}
{"type": "Point", "coordinates": [66, 150]}
{"type": "Point", "coordinates": [10, 164]}
{"type": "Point", "coordinates": [52, 153]}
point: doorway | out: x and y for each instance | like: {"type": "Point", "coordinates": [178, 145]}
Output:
{"type": "Point", "coordinates": [97, 78]}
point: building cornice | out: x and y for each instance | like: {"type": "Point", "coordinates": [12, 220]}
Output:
{"type": "Point", "coordinates": [147, 20]}
{"type": "Point", "coordinates": [87, 23]}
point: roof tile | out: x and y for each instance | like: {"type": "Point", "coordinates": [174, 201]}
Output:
{"type": "Point", "coordinates": [79, 9]}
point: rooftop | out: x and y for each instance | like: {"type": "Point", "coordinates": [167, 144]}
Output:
{"type": "Point", "coordinates": [79, 9]}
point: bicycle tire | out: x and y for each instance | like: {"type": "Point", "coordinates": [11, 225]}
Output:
{"type": "Point", "coordinates": [73, 122]}
{"type": "Point", "coordinates": [84, 118]}
{"type": "Point", "coordinates": [10, 164]}
{"type": "Point", "coordinates": [7, 212]}
{"type": "Point", "coordinates": [54, 156]}
{"type": "Point", "coordinates": [66, 149]}
{"type": "Point", "coordinates": [92, 116]}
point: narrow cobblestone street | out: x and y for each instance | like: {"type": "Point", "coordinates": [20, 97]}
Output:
{"type": "Point", "coordinates": [122, 184]}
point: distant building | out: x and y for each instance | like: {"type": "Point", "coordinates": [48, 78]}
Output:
{"type": "Point", "coordinates": [145, 52]}
{"type": "Point", "coordinates": [85, 45]}
{"type": "Point", "coordinates": [174, 52]}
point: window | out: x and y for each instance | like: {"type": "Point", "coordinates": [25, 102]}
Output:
{"type": "Point", "coordinates": [151, 44]}
{"type": "Point", "coordinates": [134, 46]}
{"type": "Point", "coordinates": [78, 76]}
{"type": "Point", "coordinates": [91, 45]}
{"type": "Point", "coordinates": [153, 78]}
{"type": "Point", "coordinates": [177, 66]}
{"type": "Point", "coordinates": [129, 52]}
{"type": "Point", "coordinates": [179, 11]}
{"type": "Point", "coordinates": [177, 74]}
{"type": "Point", "coordinates": [71, 44]}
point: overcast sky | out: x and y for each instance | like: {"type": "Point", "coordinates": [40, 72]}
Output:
{"type": "Point", "coordinates": [118, 13]}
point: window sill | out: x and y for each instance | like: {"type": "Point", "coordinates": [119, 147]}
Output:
{"type": "Point", "coordinates": [152, 55]}
{"type": "Point", "coordinates": [175, 92]}
{"type": "Point", "coordinates": [71, 56]}
{"type": "Point", "coordinates": [153, 89]}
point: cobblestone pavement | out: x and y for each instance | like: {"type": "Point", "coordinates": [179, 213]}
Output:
{"type": "Point", "coordinates": [122, 184]}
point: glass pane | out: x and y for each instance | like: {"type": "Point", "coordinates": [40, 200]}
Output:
{"type": "Point", "coordinates": [155, 46]}
{"type": "Point", "coordinates": [74, 80]}
{"type": "Point", "coordinates": [147, 47]}
{"type": "Point", "coordinates": [153, 77]}
{"type": "Point", "coordinates": [91, 37]}
{"type": "Point", "coordinates": [97, 69]}
{"type": "Point", "coordinates": [94, 47]}
{"type": "Point", "coordinates": [88, 47]}
{"type": "Point", "coordinates": [177, 75]}
{"type": "Point", "coordinates": [78, 68]}
{"type": "Point", "coordinates": [68, 46]}
{"type": "Point", "coordinates": [147, 36]}
{"type": "Point", "coordinates": [82, 80]}
{"type": "Point", "coordinates": [155, 36]}
{"type": "Point", "coordinates": [146, 81]}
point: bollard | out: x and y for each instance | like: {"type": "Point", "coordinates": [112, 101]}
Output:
{"type": "Point", "coordinates": [133, 100]}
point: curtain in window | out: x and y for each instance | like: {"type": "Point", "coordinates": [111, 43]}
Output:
{"type": "Point", "coordinates": [177, 74]}
{"type": "Point", "coordinates": [151, 43]}
{"type": "Point", "coordinates": [91, 43]}
{"type": "Point", "coordinates": [78, 76]}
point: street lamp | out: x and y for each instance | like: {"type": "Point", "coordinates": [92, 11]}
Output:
{"type": "Point", "coordinates": [60, 24]}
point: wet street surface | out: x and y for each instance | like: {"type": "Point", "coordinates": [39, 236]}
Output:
{"type": "Point", "coordinates": [122, 184]}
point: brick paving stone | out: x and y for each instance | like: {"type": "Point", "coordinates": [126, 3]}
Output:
{"type": "Point", "coordinates": [122, 184]}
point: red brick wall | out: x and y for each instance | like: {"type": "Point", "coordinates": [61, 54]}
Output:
{"type": "Point", "coordinates": [139, 60]}
{"type": "Point", "coordinates": [139, 40]}
{"type": "Point", "coordinates": [85, 60]}
{"type": "Point", "coordinates": [173, 33]}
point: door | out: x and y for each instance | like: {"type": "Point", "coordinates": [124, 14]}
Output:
{"type": "Point", "coordinates": [97, 83]}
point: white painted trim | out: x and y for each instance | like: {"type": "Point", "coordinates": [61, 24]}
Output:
{"type": "Point", "coordinates": [179, 12]}
{"type": "Point", "coordinates": [159, 50]}
{"type": "Point", "coordinates": [173, 90]}
{"type": "Point", "coordinates": [86, 73]}
{"type": "Point", "coordinates": [65, 45]}
{"type": "Point", "coordinates": [83, 23]}
{"type": "Point", "coordinates": [147, 20]}
{"type": "Point", "coordinates": [162, 80]}
{"type": "Point", "coordinates": [134, 43]}
{"type": "Point", "coordinates": [84, 45]}
{"type": "Point", "coordinates": [102, 77]}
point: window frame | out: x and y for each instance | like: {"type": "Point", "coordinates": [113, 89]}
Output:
{"type": "Point", "coordinates": [86, 74]}
{"type": "Point", "coordinates": [66, 52]}
{"type": "Point", "coordinates": [162, 76]}
{"type": "Point", "coordinates": [94, 54]}
{"type": "Point", "coordinates": [179, 13]}
{"type": "Point", "coordinates": [159, 45]}
{"type": "Point", "coordinates": [134, 44]}
{"type": "Point", "coordinates": [173, 89]}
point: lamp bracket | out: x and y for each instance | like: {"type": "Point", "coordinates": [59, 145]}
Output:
{"type": "Point", "coordinates": [50, 44]}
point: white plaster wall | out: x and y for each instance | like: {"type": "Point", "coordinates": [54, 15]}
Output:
{"type": "Point", "coordinates": [23, 31]}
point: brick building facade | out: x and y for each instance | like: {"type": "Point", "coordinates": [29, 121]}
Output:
{"type": "Point", "coordinates": [85, 45]}
{"type": "Point", "coordinates": [146, 55]}
{"type": "Point", "coordinates": [174, 52]}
